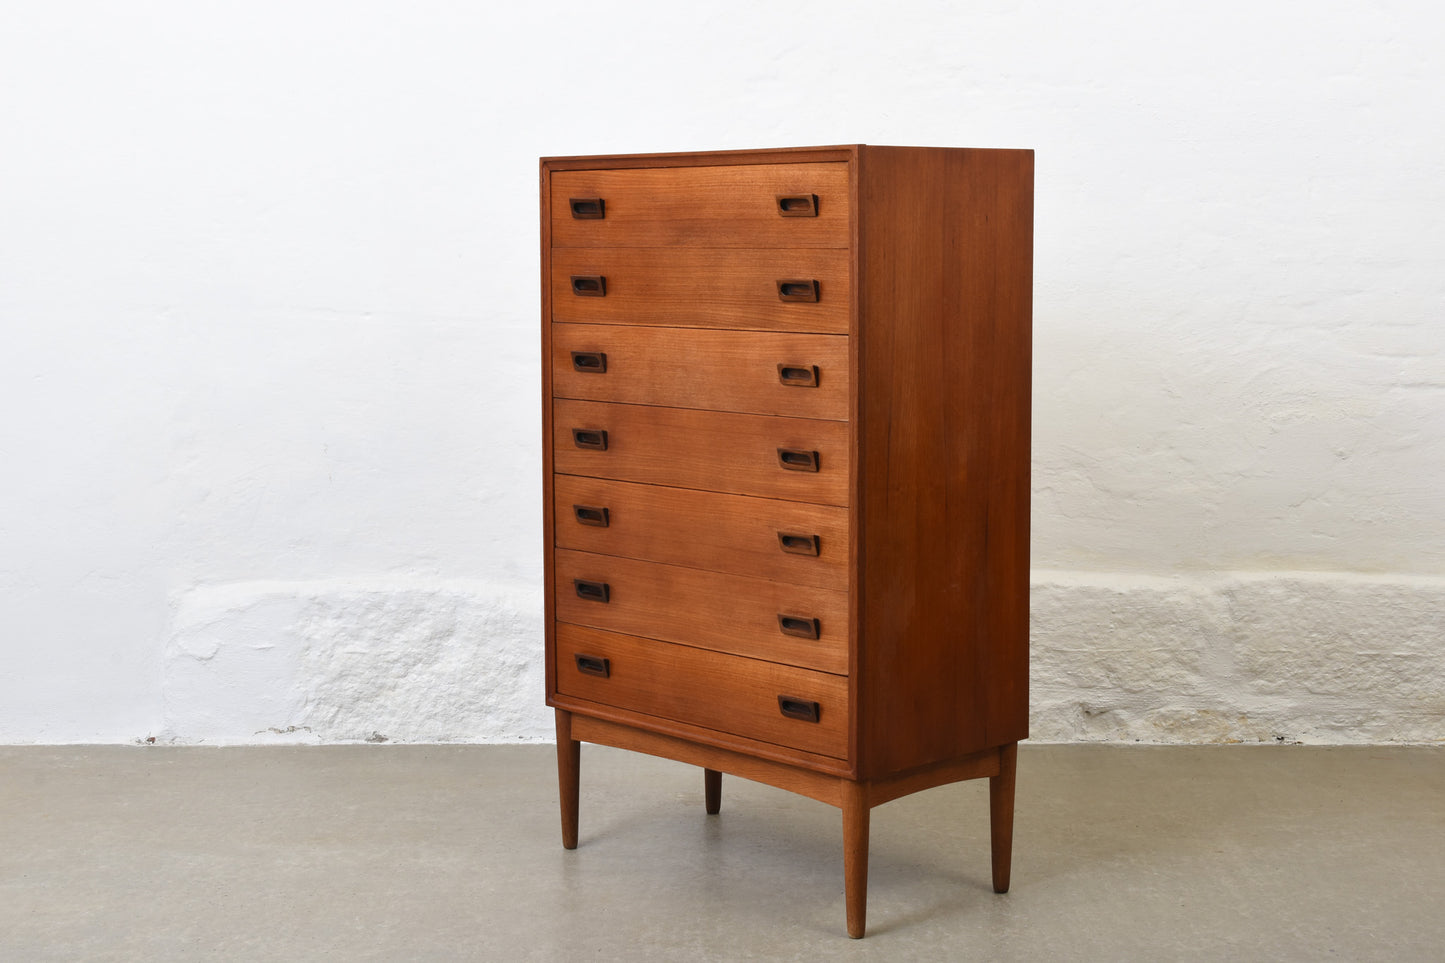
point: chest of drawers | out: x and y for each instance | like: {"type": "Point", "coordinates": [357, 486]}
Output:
{"type": "Point", "coordinates": [786, 420]}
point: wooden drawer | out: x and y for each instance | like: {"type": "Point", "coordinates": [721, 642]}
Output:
{"type": "Point", "coordinates": [695, 287]}
{"type": "Point", "coordinates": [708, 689]}
{"type": "Point", "coordinates": [711, 450]}
{"type": "Point", "coordinates": [724, 533]}
{"type": "Point", "coordinates": [802, 375]}
{"type": "Point", "coordinates": [711, 610]}
{"type": "Point", "coordinates": [704, 206]}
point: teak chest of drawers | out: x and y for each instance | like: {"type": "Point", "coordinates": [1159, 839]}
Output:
{"type": "Point", "coordinates": [786, 412]}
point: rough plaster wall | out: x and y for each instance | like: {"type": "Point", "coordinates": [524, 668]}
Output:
{"type": "Point", "coordinates": [1232, 658]}
{"type": "Point", "coordinates": [1237, 657]}
{"type": "Point", "coordinates": [399, 660]}
{"type": "Point", "coordinates": [268, 396]}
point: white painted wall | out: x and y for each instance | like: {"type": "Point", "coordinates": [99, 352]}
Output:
{"type": "Point", "coordinates": [269, 448]}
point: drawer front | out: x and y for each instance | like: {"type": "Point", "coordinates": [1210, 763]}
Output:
{"type": "Point", "coordinates": [791, 542]}
{"type": "Point", "coordinates": [708, 689]}
{"type": "Point", "coordinates": [703, 206]}
{"type": "Point", "coordinates": [802, 375]}
{"type": "Point", "coordinates": [710, 450]}
{"type": "Point", "coordinates": [693, 287]}
{"type": "Point", "coordinates": [729, 613]}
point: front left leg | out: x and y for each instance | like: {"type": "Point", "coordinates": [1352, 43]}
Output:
{"type": "Point", "coordinates": [569, 767]}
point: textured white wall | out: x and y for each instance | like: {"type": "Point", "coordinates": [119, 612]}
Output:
{"type": "Point", "coordinates": [269, 380]}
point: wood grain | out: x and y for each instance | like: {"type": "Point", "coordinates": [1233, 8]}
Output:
{"type": "Point", "coordinates": [729, 613]}
{"type": "Point", "coordinates": [709, 450]}
{"type": "Point", "coordinates": [702, 287]}
{"type": "Point", "coordinates": [737, 534]}
{"type": "Point", "coordinates": [943, 501]}
{"type": "Point", "coordinates": [713, 158]}
{"type": "Point", "coordinates": [977, 766]}
{"type": "Point", "coordinates": [705, 688]}
{"type": "Point", "coordinates": [693, 368]}
{"type": "Point", "coordinates": [749, 763]}
{"type": "Point", "coordinates": [712, 207]}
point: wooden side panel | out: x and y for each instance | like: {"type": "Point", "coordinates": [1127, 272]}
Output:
{"type": "Point", "coordinates": [714, 207]}
{"type": "Point", "coordinates": [549, 600]}
{"type": "Point", "coordinates": [705, 688]}
{"type": "Point", "coordinates": [692, 368]}
{"type": "Point", "coordinates": [727, 533]}
{"type": "Point", "coordinates": [712, 450]}
{"type": "Point", "coordinates": [703, 288]}
{"type": "Point", "coordinates": [711, 610]}
{"type": "Point", "coordinates": [944, 381]}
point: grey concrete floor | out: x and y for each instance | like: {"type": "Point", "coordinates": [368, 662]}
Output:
{"type": "Point", "coordinates": [453, 853]}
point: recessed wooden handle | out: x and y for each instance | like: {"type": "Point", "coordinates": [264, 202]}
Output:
{"type": "Point", "coordinates": [589, 362]}
{"type": "Point", "coordinates": [796, 289]}
{"type": "Point", "coordinates": [794, 708]}
{"type": "Point", "coordinates": [587, 208]}
{"type": "Point", "coordinates": [798, 375]}
{"type": "Point", "coordinates": [592, 286]}
{"type": "Point", "coordinates": [592, 591]}
{"type": "Point", "coordinates": [799, 625]}
{"type": "Point", "coordinates": [797, 205]}
{"type": "Point", "coordinates": [594, 515]}
{"type": "Point", "coordinates": [593, 665]}
{"type": "Point", "coordinates": [592, 439]}
{"type": "Point", "coordinates": [797, 459]}
{"type": "Point", "coordinates": [795, 544]}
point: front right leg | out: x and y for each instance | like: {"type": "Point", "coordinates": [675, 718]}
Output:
{"type": "Point", "coordinates": [1001, 815]}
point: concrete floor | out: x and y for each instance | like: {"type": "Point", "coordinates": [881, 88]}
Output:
{"type": "Point", "coordinates": [452, 853]}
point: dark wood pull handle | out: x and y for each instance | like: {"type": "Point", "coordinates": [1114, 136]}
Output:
{"type": "Point", "coordinates": [589, 362]}
{"type": "Point", "coordinates": [794, 708]}
{"type": "Point", "coordinates": [593, 439]}
{"type": "Point", "coordinates": [798, 375]}
{"type": "Point", "coordinates": [592, 286]}
{"type": "Point", "coordinates": [799, 625]}
{"type": "Point", "coordinates": [592, 591]}
{"type": "Point", "coordinates": [593, 665]}
{"type": "Point", "coordinates": [793, 459]}
{"type": "Point", "coordinates": [796, 205]}
{"type": "Point", "coordinates": [789, 290]}
{"type": "Point", "coordinates": [587, 208]}
{"type": "Point", "coordinates": [795, 544]}
{"type": "Point", "coordinates": [594, 515]}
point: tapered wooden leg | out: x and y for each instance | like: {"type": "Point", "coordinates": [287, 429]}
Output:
{"type": "Point", "coordinates": [712, 790]}
{"type": "Point", "coordinates": [855, 856]}
{"type": "Point", "coordinates": [1001, 815]}
{"type": "Point", "coordinates": [569, 766]}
